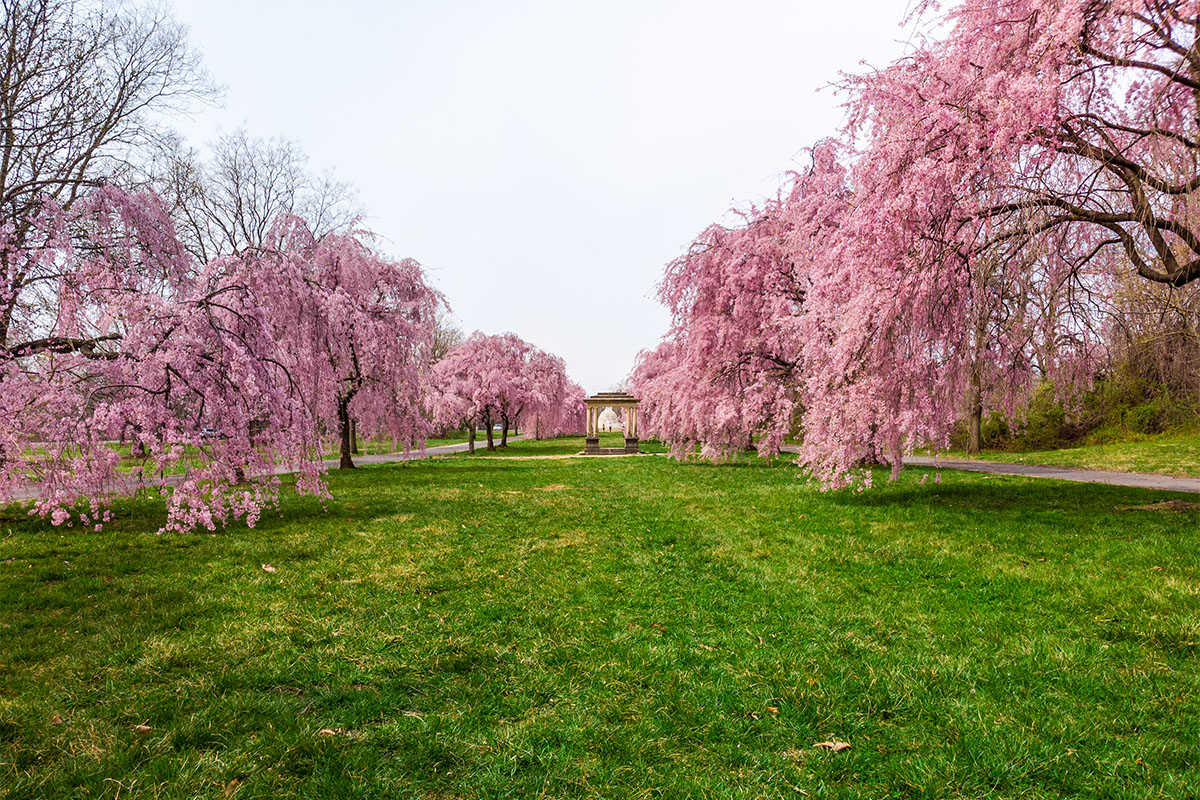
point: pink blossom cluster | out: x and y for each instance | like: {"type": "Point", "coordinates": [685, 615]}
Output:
{"type": "Point", "coordinates": [214, 376]}
{"type": "Point", "coordinates": [502, 379]}
{"type": "Point", "coordinates": [355, 328]}
{"type": "Point", "coordinates": [955, 245]}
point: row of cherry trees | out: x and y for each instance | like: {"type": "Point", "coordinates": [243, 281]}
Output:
{"type": "Point", "coordinates": [216, 324]}
{"type": "Point", "coordinates": [223, 372]}
{"type": "Point", "coordinates": [956, 243]}
{"type": "Point", "coordinates": [504, 380]}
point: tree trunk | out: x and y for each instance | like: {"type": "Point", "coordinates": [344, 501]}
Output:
{"type": "Point", "coordinates": [354, 436]}
{"type": "Point", "coordinates": [344, 432]}
{"type": "Point", "coordinates": [487, 421]}
{"type": "Point", "coordinates": [872, 457]}
{"type": "Point", "coordinates": [895, 458]}
{"type": "Point", "coordinates": [504, 430]}
{"type": "Point", "coordinates": [974, 416]}
{"type": "Point", "coordinates": [471, 437]}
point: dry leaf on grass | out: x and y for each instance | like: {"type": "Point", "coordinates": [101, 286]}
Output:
{"type": "Point", "coordinates": [327, 732]}
{"type": "Point", "coordinates": [833, 746]}
{"type": "Point", "coordinates": [231, 787]}
{"type": "Point", "coordinates": [268, 568]}
{"type": "Point", "coordinates": [142, 728]}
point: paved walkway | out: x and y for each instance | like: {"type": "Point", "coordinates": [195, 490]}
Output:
{"type": "Point", "coordinates": [415, 455]}
{"type": "Point", "coordinates": [1140, 480]}
{"type": "Point", "coordinates": [128, 485]}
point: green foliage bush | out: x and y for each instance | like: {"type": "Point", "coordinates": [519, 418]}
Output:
{"type": "Point", "coordinates": [1119, 407]}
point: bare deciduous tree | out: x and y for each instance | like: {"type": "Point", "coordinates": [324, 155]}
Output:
{"type": "Point", "coordinates": [446, 337]}
{"type": "Point", "coordinates": [83, 90]}
{"type": "Point", "coordinates": [228, 203]}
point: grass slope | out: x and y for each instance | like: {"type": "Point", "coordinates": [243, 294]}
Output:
{"type": "Point", "coordinates": [1167, 455]}
{"type": "Point", "coordinates": [627, 627]}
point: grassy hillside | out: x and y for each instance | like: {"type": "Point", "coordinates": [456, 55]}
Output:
{"type": "Point", "coordinates": [1168, 454]}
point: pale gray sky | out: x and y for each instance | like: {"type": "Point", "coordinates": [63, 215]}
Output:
{"type": "Point", "coordinates": [543, 159]}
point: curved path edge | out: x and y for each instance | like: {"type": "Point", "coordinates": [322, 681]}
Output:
{"type": "Point", "coordinates": [1139, 480]}
{"type": "Point", "coordinates": [129, 485]}
{"type": "Point", "coordinates": [416, 455]}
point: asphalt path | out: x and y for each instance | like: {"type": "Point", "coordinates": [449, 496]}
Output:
{"type": "Point", "coordinates": [130, 484]}
{"type": "Point", "coordinates": [415, 455]}
{"type": "Point", "coordinates": [1140, 480]}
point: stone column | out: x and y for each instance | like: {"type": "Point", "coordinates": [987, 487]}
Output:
{"type": "Point", "coordinates": [631, 441]}
{"type": "Point", "coordinates": [592, 442]}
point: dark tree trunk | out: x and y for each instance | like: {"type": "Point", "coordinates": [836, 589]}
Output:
{"type": "Point", "coordinates": [975, 392]}
{"type": "Point", "coordinates": [872, 457]}
{"type": "Point", "coordinates": [354, 436]}
{"type": "Point", "coordinates": [471, 437]}
{"type": "Point", "coordinates": [239, 473]}
{"type": "Point", "coordinates": [504, 430]}
{"type": "Point", "coordinates": [487, 421]}
{"type": "Point", "coordinates": [344, 432]}
{"type": "Point", "coordinates": [974, 416]}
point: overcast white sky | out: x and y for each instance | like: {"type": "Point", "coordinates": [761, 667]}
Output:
{"type": "Point", "coordinates": [544, 159]}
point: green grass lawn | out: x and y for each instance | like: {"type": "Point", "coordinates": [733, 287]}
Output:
{"type": "Point", "coordinates": [562, 446]}
{"type": "Point", "coordinates": [366, 447]}
{"type": "Point", "coordinates": [612, 627]}
{"type": "Point", "coordinates": [371, 447]}
{"type": "Point", "coordinates": [1177, 454]}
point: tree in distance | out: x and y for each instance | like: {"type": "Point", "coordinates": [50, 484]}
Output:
{"type": "Point", "coordinates": [502, 379]}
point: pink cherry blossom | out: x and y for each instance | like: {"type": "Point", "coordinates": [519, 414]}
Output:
{"type": "Point", "coordinates": [219, 373]}
{"type": "Point", "coordinates": [503, 379]}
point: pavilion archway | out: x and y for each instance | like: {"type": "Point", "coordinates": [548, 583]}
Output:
{"type": "Point", "coordinates": [596, 404]}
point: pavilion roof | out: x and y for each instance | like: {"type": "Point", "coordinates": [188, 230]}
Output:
{"type": "Point", "coordinates": [612, 397]}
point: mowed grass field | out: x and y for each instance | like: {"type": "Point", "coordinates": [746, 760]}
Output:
{"type": "Point", "coordinates": [612, 627]}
